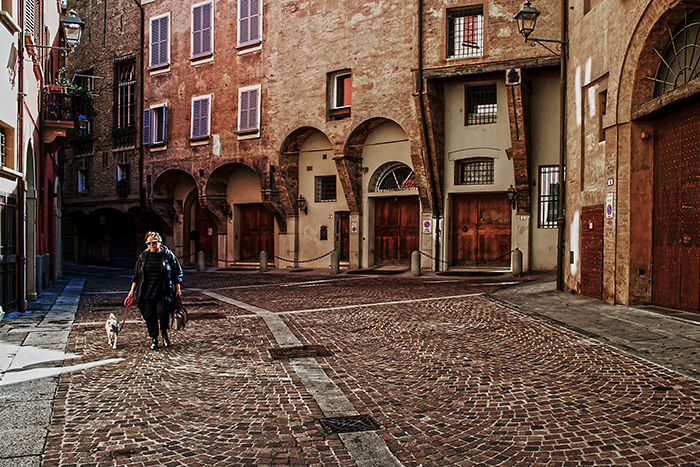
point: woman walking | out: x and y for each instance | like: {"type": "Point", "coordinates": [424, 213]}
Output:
{"type": "Point", "coordinates": [156, 283]}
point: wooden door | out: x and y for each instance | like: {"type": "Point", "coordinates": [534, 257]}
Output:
{"type": "Point", "coordinates": [204, 228]}
{"type": "Point", "coordinates": [676, 218]}
{"type": "Point", "coordinates": [342, 235]}
{"type": "Point", "coordinates": [481, 229]}
{"type": "Point", "coordinates": [592, 218]}
{"type": "Point", "coordinates": [396, 229]}
{"type": "Point", "coordinates": [257, 231]}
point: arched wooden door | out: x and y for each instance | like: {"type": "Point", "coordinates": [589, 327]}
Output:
{"type": "Point", "coordinates": [257, 231]}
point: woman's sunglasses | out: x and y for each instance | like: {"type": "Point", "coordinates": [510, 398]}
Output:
{"type": "Point", "coordinates": [152, 242]}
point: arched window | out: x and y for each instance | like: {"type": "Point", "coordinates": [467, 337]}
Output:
{"type": "Point", "coordinates": [394, 177]}
{"type": "Point", "coordinates": [680, 60]}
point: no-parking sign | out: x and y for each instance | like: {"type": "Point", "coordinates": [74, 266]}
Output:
{"type": "Point", "coordinates": [609, 205]}
{"type": "Point", "coordinates": [427, 226]}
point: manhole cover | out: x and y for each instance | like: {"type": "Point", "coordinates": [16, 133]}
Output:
{"type": "Point", "coordinates": [203, 316]}
{"type": "Point", "coordinates": [303, 351]}
{"type": "Point", "coordinates": [348, 424]}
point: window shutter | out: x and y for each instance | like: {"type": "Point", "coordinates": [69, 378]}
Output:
{"type": "Point", "coordinates": [146, 126]}
{"type": "Point", "coordinates": [159, 41]}
{"type": "Point", "coordinates": [244, 21]}
{"type": "Point", "coordinates": [155, 49]}
{"type": "Point", "coordinates": [254, 20]}
{"type": "Point", "coordinates": [347, 91]}
{"type": "Point", "coordinates": [197, 30]}
{"type": "Point", "coordinates": [204, 117]}
{"type": "Point", "coordinates": [164, 40]}
{"type": "Point", "coordinates": [248, 118]}
{"type": "Point", "coordinates": [200, 118]}
{"type": "Point", "coordinates": [206, 28]}
{"type": "Point", "coordinates": [165, 123]}
{"type": "Point", "coordinates": [253, 110]}
{"type": "Point", "coordinates": [243, 112]}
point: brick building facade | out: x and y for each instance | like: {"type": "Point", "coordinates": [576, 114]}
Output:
{"type": "Point", "coordinates": [104, 219]}
{"type": "Point", "coordinates": [633, 141]}
{"type": "Point", "coordinates": [371, 130]}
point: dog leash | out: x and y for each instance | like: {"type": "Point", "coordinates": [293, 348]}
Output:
{"type": "Point", "coordinates": [127, 303]}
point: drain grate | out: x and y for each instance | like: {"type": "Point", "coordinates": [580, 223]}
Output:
{"type": "Point", "coordinates": [303, 351]}
{"type": "Point", "coordinates": [348, 424]}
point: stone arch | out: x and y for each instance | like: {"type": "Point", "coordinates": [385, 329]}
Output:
{"type": "Point", "coordinates": [286, 178]}
{"type": "Point", "coordinates": [350, 166]}
{"type": "Point", "coordinates": [167, 196]}
{"type": "Point", "coordinates": [635, 97]}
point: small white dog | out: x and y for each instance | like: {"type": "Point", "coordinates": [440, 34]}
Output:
{"type": "Point", "coordinates": [112, 327]}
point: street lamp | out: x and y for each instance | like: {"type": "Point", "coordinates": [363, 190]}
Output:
{"type": "Point", "coordinates": [526, 20]}
{"type": "Point", "coordinates": [72, 27]}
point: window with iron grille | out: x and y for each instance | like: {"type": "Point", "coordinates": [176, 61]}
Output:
{"type": "Point", "coordinates": [3, 147]}
{"type": "Point", "coordinates": [465, 32]}
{"type": "Point", "coordinates": [476, 171]}
{"type": "Point", "coordinates": [481, 104]}
{"type": "Point", "coordinates": [325, 188]}
{"type": "Point", "coordinates": [82, 181]}
{"type": "Point", "coordinates": [126, 84]}
{"type": "Point", "coordinates": [548, 197]}
{"type": "Point", "coordinates": [8, 250]}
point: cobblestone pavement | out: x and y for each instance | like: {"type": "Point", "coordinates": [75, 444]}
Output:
{"type": "Point", "coordinates": [450, 376]}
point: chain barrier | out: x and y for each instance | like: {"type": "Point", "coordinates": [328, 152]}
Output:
{"type": "Point", "coordinates": [303, 261]}
{"type": "Point", "coordinates": [258, 255]}
{"type": "Point", "coordinates": [474, 264]}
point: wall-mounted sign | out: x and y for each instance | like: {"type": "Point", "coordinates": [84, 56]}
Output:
{"type": "Point", "coordinates": [427, 227]}
{"type": "Point", "coordinates": [353, 227]}
{"type": "Point", "coordinates": [609, 205]}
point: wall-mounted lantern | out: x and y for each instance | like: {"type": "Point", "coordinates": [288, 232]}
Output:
{"type": "Point", "coordinates": [512, 196]}
{"type": "Point", "coordinates": [301, 204]}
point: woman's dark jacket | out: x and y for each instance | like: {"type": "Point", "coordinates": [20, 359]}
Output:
{"type": "Point", "coordinates": [171, 274]}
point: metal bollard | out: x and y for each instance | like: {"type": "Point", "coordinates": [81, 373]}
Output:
{"type": "Point", "coordinates": [415, 263]}
{"type": "Point", "coordinates": [335, 262]}
{"type": "Point", "coordinates": [263, 261]}
{"type": "Point", "coordinates": [517, 262]}
{"type": "Point", "coordinates": [200, 261]}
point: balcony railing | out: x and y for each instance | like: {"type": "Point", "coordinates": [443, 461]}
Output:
{"type": "Point", "coordinates": [58, 106]}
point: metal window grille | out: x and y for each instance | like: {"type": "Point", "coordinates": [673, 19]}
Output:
{"type": "Point", "coordinates": [8, 237]}
{"type": "Point", "coordinates": [465, 32]}
{"type": "Point", "coordinates": [82, 181]}
{"type": "Point", "coordinates": [476, 171]}
{"type": "Point", "coordinates": [126, 84]}
{"type": "Point", "coordinates": [397, 177]}
{"type": "Point", "coordinates": [548, 197]}
{"type": "Point", "coordinates": [325, 188]}
{"type": "Point", "coordinates": [481, 104]}
{"type": "Point", "coordinates": [3, 147]}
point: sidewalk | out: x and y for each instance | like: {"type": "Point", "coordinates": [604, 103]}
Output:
{"type": "Point", "coordinates": [669, 338]}
{"type": "Point", "coordinates": [32, 351]}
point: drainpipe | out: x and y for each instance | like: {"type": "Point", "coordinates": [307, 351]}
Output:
{"type": "Point", "coordinates": [142, 183]}
{"type": "Point", "coordinates": [424, 128]}
{"type": "Point", "coordinates": [561, 219]}
{"type": "Point", "coordinates": [19, 268]}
